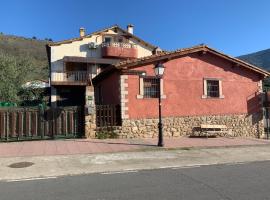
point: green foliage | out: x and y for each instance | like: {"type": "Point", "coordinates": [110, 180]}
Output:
{"type": "Point", "coordinates": [23, 47]}
{"type": "Point", "coordinates": [21, 60]}
{"type": "Point", "coordinates": [32, 96]}
{"type": "Point", "coordinates": [14, 71]}
{"type": "Point", "coordinates": [106, 135]}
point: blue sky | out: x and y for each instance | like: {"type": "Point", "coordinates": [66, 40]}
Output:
{"type": "Point", "coordinates": [235, 27]}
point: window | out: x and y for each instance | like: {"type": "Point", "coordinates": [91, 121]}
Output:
{"type": "Point", "coordinates": [120, 39]}
{"type": "Point", "coordinates": [212, 88]}
{"type": "Point", "coordinates": [150, 87]}
{"type": "Point", "coordinates": [107, 39]}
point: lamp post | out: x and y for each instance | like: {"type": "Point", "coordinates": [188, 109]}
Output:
{"type": "Point", "coordinates": [159, 71]}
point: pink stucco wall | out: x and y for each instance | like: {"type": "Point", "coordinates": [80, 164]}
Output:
{"type": "Point", "coordinates": [183, 87]}
{"type": "Point", "coordinates": [119, 52]}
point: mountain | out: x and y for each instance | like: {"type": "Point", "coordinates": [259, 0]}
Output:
{"type": "Point", "coordinates": [25, 47]}
{"type": "Point", "coordinates": [260, 59]}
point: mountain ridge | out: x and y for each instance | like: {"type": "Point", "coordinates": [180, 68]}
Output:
{"type": "Point", "coordinates": [32, 48]}
{"type": "Point", "coordinates": [259, 58]}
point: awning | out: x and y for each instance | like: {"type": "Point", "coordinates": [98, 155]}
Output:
{"type": "Point", "coordinates": [90, 60]}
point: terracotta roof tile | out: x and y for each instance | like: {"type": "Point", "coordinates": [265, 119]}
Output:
{"type": "Point", "coordinates": [99, 31]}
{"type": "Point", "coordinates": [179, 52]}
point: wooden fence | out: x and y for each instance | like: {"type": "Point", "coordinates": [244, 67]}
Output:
{"type": "Point", "coordinates": [108, 115]}
{"type": "Point", "coordinates": [36, 123]}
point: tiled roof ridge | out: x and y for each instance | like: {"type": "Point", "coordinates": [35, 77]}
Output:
{"type": "Point", "coordinates": [202, 47]}
{"type": "Point", "coordinates": [163, 53]}
{"type": "Point", "coordinates": [96, 32]}
{"type": "Point", "coordinates": [80, 38]}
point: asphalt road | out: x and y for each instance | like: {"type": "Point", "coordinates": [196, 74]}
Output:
{"type": "Point", "coordinates": [237, 181]}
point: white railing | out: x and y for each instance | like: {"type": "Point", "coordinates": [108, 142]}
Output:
{"type": "Point", "coordinates": [80, 76]}
{"type": "Point", "coordinates": [118, 44]}
{"type": "Point", "coordinates": [72, 76]}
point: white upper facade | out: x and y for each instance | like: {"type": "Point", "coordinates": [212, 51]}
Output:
{"type": "Point", "coordinates": [90, 46]}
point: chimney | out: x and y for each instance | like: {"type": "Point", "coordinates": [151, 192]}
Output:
{"type": "Point", "coordinates": [130, 28]}
{"type": "Point", "coordinates": [82, 32]}
{"type": "Point", "coordinates": [157, 50]}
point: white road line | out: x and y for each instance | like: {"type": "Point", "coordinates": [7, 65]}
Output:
{"type": "Point", "coordinates": [237, 163]}
{"type": "Point", "coordinates": [185, 167]}
{"type": "Point", "coordinates": [30, 179]}
{"type": "Point", "coordinates": [119, 172]}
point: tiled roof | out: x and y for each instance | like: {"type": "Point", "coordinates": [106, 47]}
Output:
{"type": "Point", "coordinates": [99, 31]}
{"type": "Point", "coordinates": [167, 55]}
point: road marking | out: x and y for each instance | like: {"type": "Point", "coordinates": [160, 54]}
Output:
{"type": "Point", "coordinates": [30, 179]}
{"type": "Point", "coordinates": [237, 163]}
{"type": "Point", "coordinates": [167, 167]}
{"type": "Point", "coordinates": [185, 167]}
{"type": "Point", "coordinates": [119, 172]}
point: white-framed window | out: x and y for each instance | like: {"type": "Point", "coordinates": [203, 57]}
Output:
{"type": "Point", "coordinates": [212, 88]}
{"type": "Point", "coordinates": [148, 88]}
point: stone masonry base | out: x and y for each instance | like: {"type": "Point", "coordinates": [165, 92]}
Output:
{"type": "Point", "coordinates": [239, 125]}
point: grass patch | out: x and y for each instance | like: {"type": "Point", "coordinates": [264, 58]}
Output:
{"type": "Point", "coordinates": [106, 135]}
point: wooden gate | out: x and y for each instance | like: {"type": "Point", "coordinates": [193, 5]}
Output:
{"type": "Point", "coordinates": [108, 115]}
{"type": "Point", "coordinates": [36, 123]}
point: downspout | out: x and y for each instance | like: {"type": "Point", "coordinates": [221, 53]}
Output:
{"type": "Point", "coordinates": [48, 50]}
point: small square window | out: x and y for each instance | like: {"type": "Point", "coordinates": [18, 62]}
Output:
{"type": "Point", "coordinates": [120, 39]}
{"type": "Point", "coordinates": [107, 40]}
{"type": "Point", "coordinates": [150, 87]}
{"type": "Point", "coordinates": [212, 88]}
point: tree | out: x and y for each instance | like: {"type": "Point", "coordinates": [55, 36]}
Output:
{"type": "Point", "coordinates": [13, 73]}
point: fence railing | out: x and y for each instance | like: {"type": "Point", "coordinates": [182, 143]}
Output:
{"type": "Point", "coordinates": [35, 123]}
{"type": "Point", "coordinates": [118, 44]}
{"type": "Point", "coordinates": [108, 115]}
{"type": "Point", "coordinates": [72, 76]}
{"type": "Point", "coordinates": [81, 76]}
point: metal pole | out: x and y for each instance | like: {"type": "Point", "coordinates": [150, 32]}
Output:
{"type": "Point", "coordinates": [160, 133]}
{"type": "Point", "coordinates": [266, 113]}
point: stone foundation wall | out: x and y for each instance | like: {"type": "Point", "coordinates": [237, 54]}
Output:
{"type": "Point", "coordinates": [238, 125]}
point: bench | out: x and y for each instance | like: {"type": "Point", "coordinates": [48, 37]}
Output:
{"type": "Point", "coordinates": [213, 129]}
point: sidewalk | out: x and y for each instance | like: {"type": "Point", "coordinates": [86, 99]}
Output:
{"type": "Point", "coordinates": [22, 161]}
{"type": "Point", "coordinates": [93, 146]}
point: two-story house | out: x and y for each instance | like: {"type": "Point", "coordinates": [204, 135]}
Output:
{"type": "Point", "coordinates": [200, 85]}
{"type": "Point", "coordinates": [75, 62]}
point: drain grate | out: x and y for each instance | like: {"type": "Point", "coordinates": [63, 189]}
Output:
{"type": "Point", "coordinates": [21, 165]}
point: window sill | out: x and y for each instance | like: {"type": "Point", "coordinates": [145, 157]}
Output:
{"type": "Point", "coordinates": [142, 97]}
{"type": "Point", "coordinates": [207, 97]}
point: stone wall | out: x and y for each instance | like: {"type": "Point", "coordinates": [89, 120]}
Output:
{"type": "Point", "coordinates": [240, 125]}
{"type": "Point", "coordinates": [90, 113]}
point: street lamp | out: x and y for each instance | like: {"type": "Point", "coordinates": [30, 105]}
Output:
{"type": "Point", "coordinates": [159, 70]}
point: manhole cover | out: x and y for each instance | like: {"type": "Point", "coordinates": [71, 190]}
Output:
{"type": "Point", "coordinates": [21, 165]}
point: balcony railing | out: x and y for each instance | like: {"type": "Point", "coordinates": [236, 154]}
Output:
{"type": "Point", "coordinates": [119, 50]}
{"type": "Point", "coordinates": [118, 44]}
{"type": "Point", "coordinates": [76, 76]}
{"type": "Point", "coordinates": [72, 77]}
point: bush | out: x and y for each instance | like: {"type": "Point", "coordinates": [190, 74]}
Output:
{"type": "Point", "coordinates": [106, 135]}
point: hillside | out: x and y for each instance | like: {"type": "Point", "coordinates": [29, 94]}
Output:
{"type": "Point", "coordinates": [25, 47]}
{"type": "Point", "coordinates": [260, 58]}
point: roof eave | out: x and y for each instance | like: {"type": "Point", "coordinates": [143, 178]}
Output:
{"type": "Point", "coordinates": [178, 53]}
{"type": "Point", "coordinates": [100, 31]}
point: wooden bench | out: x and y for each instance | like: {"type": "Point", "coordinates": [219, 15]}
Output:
{"type": "Point", "coordinates": [213, 129]}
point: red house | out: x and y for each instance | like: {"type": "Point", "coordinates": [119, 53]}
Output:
{"type": "Point", "coordinates": [200, 86]}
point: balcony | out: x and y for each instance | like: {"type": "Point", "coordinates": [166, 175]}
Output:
{"type": "Point", "coordinates": [119, 50]}
{"type": "Point", "coordinates": [71, 78]}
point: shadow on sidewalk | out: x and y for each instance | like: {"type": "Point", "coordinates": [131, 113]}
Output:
{"type": "Point", "coordinates": [121, 143]}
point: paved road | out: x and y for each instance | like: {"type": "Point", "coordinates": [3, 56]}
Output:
{"type": "Point", "coordinates": [227, 181]}
{"type": "Point", "coordinates": [51, 166]}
